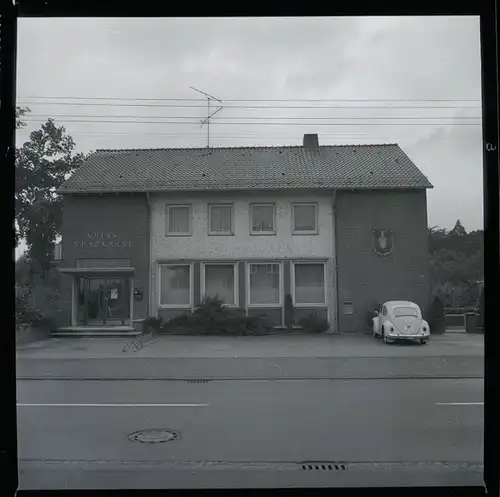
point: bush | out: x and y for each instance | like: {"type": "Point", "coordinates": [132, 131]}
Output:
{"type": "Point", "coordinates": [312, 323]}
{"type": "Point", "coordinates": [152, 324]}
{"type": "Point", "coordinates": [435, 316]}
{"type": "Point", "coordinates": [211, 317]}
{"type": "Point", "coordinates": [289, 313]}
{"type": "Point", "coordinates": [480, 311]}
{"type": "Point", "coordinates": [39, 307]}
{"type": "Point", "coordinates": [370, 314]}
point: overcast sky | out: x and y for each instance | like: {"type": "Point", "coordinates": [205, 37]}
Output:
{"type": "Point", "coordinates": [341, 71]}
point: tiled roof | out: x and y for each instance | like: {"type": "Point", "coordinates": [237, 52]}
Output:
{"type": "Point", "coordinates": [236, 168]}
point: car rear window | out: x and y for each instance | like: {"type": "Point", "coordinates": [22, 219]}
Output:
{"type": "Point", "coordinates": [405, 311]}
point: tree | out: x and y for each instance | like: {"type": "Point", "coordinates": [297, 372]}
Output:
{"type": "Point", "coordinates": [458, 229]}
{"type": "Point", "coordinates": [20, 112]}
{"type": "Point", "coordinates": [42, 164]}
{"type": "Point", "coordinates": [456, 264]}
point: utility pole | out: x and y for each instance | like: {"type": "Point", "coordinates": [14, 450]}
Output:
{"type": "Point", "coordinates": [206, 121]}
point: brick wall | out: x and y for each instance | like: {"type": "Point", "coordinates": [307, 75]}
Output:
{"type": "Point", "coordinates": [366, 278]}
{"type": "Point", "coordinates": [124, 215]}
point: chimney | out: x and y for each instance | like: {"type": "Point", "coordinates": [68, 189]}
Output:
{"type": "Point", "coordinates": [311, 143]}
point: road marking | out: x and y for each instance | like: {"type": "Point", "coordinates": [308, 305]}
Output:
{"type": "Point", "coordinates": [113, 405]}
{"type": "Point", "coordinates": [459, 403]}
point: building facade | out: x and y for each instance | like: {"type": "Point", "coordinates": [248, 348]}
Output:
{"type": "Point", "coordinates": [152, 232]}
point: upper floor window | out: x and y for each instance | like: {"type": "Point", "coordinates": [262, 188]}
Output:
{"type": "Point", "coordinates": [262, 219]}
{"type": "Point", "coordinates": [178, 220]}
{"type": "Point", "coordinates": [220, 219]}
{"type": "Point", "coordinates": [305, 218]}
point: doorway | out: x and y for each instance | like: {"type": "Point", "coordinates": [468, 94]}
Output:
{"type": "Point", "coordinates": [103, 301]}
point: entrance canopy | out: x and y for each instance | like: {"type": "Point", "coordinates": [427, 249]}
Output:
{"type": "Point", "coordinates": [98, 271]}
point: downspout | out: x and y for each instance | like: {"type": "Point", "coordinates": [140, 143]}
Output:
{"type": "Point", "coordinates": [335, 262]}
{"type": "Point", "coordinates": [150, 263]}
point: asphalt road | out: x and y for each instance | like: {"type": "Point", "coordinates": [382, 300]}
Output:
{"type": "Point", "coordinates": [74, 434]}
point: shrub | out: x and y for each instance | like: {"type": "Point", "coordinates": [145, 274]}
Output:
{"type": "Point", "coordinates": [370, 314]}
{"type": "Point", "coordinates": [312, 323]}
{"type": "Point", "coordinates": [211, 317]}
{"type": "Point", "coordinates": [39, 307]}
{"type": "Point", "coordinates": [480, 311]}
{"type": "Point", "coordinates": [435, 316]}
{"type": "Point", "coordinates": [289, 313]}
{"type": "Point", "coordinates": [152, 324]}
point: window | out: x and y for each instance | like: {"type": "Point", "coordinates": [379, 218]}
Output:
{"type": "Point", "coordinates": [221, 219]}
{"type": "Point", "coordinates": [220, 282]}
{"type": "Point", "coordinates": [305, 218]}
{"type": "Point", "coordinates": [264, 284]}
{"type": "Point", "coordinates": [400, 312]}
{"type": "Point", "coordinates": [262, 219]}
{"type": "Point", "coordinates": [309, 283]}
{"type": "Point", "coordinates": [178, 220]}
{"type": "Point", "coordinates": [175, 285]}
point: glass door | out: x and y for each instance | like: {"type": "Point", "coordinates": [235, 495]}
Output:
{"type": "Point", "coordinates": [117, 301]}
{"type": "Point", "coordinates": [103, 301]}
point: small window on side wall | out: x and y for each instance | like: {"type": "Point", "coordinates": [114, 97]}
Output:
{"type": "Point", "coordinates": [178, 220]}
{"type": "Point", "coordinates": [305, 218]}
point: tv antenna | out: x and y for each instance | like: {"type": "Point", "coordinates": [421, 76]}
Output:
{"type": "Point", "coordinates": [210, 98]}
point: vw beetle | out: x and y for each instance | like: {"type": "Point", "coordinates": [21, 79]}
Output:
{"type": "Point", "coordinates": [400, 320]}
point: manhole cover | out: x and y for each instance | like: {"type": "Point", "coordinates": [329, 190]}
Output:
{"type": "Point", "coordinates": [154, 436]}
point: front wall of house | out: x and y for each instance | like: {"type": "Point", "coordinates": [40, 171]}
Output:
{"type": "Point", "coordinates": [121, 223]}
{"type": "Point", "coordinates": [365, 278]}
{"type": "Point", "coordinates": [242, 247]}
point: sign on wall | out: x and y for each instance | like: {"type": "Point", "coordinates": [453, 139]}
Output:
{"type": "Point", "coordinates": [383, 242]}
{"type": "Point", "coordinates": [102, 239]}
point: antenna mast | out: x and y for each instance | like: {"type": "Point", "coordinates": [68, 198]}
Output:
{"type": "Point", "coordinates": [206, 121]}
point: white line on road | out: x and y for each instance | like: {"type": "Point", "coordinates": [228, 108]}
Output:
{"type": "Point", "coordinates": [113, 405]}
{"type": "Point", "coordinates": [459, 403]}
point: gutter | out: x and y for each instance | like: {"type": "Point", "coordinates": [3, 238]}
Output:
{"type": "Point", "coordinates": [335, 262]}
{"type": "Point", "coordinates": [150, 262]}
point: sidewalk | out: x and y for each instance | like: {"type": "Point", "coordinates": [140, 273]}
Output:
{"type": "Point", "coordinates": [333, 345]}
{"type": "Point", "coordinates": [270, 357]}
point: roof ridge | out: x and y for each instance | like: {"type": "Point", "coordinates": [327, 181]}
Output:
{"type": "Point", "coordinates": [271, 147]}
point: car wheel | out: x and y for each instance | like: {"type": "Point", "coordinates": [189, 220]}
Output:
{"type": "Point", "coordinates": [386, 340]}
{"type": "Point", "coordinates": [423, 341]}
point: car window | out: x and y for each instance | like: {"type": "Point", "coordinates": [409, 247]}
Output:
{"type": "Point", "coordinates": [405, 312]}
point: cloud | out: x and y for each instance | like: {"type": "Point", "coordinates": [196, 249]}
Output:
{"type": "Point", "coordinates": [270, 58]}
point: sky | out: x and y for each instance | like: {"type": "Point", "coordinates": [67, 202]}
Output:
{"type": "Point", "coordinates": [406, 80]}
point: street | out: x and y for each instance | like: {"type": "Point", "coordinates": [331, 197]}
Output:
{"type": "Point", "coordinates": [249, 421]}
{"type": "Point", "coordinates": [348, 416]}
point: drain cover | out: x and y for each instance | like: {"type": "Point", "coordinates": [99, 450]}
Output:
{"type": "Point", "coordinates": [154, 436]}
{"type": "Point", "coordinates": [324, 466]}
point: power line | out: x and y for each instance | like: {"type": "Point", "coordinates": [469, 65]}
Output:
{"type": "Point", "coordinates": [89, 121]}
{"type": "Point", "coordinates": [260, 99]}
{"type": "Point", "coordinates": [259, 117]}
{"type": "Point", "coordinates": [184, 106]}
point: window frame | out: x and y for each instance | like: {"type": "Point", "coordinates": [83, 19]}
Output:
{"type": "Point", "coordinates": [161, 265]}
{"type": "Point", "coordinates": [249, 288]}
{"type": "Point", "coordinates": [216, 233]}
{"type": "Point", "coordinates": [235, 280]}
{"type": "Point", "coordinates": [262, 204]}
{"type": "Point", "coordinates": [315, 231]}
{"type": "Point", "coordinates": [168, 233]}
{"type": "Point", "coordinates": [325, 285]}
